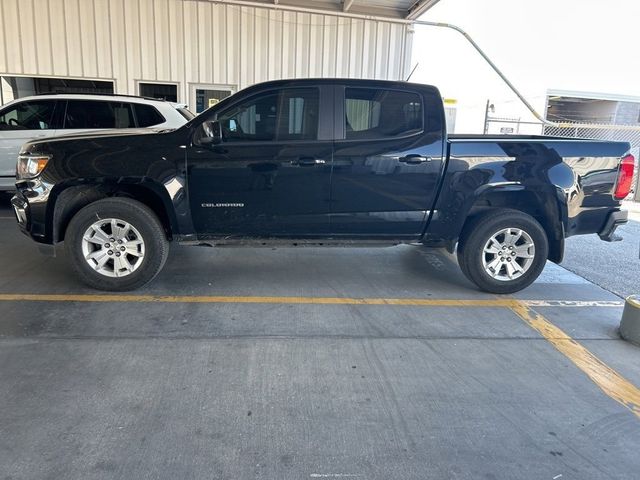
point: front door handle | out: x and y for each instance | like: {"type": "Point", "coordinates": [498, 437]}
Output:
{"type": "Point", "coordinates": [414, 159]}
{"type": "Point", "coordinates": [308, 161]}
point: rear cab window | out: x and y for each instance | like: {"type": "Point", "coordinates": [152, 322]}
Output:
{"type": "Point", "coordinates": [373, 113]}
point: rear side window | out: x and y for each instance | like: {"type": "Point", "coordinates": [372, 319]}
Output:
{"type": "Point", "coordinates": [33, 115]}
{"type": "Point", "coordinates": [377, 113]}
{"type": "Point", "coordinates": [83, 114]}
{"type": "Point", "coordinates": [147, 115]}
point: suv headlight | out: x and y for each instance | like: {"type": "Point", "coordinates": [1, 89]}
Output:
{"type": "Point", "coordinates": [30, 166]}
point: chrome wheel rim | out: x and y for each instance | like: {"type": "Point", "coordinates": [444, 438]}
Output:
{"type": "Point", "coordinates": [113, 247]}
{"type": "Point", "coordinates": [508, 254]}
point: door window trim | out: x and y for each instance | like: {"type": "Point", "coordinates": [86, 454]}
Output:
{"type": "Point", "coordinates": [325, 92]}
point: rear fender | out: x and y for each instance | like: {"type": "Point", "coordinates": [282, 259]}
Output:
{"type": "Point", "coordinates": [546, 204]}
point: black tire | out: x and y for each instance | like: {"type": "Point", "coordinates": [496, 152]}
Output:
{"type": "Point", "coordinates": [139, 216]}
{"type": "Point", "coordinates": [477, 232]}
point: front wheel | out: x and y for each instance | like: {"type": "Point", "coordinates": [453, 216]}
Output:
{"type": "Point", "coordinates": [116, 244]}
{"type": "Point", "coordinates": [502, 251]}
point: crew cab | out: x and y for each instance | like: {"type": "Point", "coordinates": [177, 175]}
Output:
{"type": "Point", "coordinates": [319, 162]}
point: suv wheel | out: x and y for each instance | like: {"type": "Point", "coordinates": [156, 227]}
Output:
{"type": "Point", "coordinates": [116, 244]}
{"type": "Point", "coordinates": [502, 251]}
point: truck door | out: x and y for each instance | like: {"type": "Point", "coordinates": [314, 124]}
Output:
{"type": "Point", "coordinates": [270, 175]}
{"type": "Point", "coordinates": [388, 158]}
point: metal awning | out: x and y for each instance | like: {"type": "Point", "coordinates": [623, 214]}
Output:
{"type": "Point", "coordinates": [398, 9]}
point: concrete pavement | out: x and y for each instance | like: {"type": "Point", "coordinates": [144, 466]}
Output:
{"type": "Point", "coordinates": [286, 364]}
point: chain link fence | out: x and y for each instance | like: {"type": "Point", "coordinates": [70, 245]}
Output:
{"type": "Point", "coordinates": [619, 133]}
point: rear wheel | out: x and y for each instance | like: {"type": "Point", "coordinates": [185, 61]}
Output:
{"type": "Point", "coordinates": [502, 251]}
{"type": "Point", "coordinates": [116, 244]}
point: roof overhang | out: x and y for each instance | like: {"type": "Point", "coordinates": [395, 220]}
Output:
{"type": "Point", "coordinates": [391, 9]}
{"type": "Point", "coordinates": [586, 96]}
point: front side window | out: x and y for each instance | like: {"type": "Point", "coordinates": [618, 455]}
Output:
{"type": "Point", "coordinates": [32, 115]}
{"type": "Point", "coordinates": [88, 114]}
{"type": "Point", "coordinates": [289, 114]}
{"type": "Point", "coordinates": [376, 113]}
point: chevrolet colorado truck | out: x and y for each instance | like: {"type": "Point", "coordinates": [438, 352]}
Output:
{"type": "Point", "coordinates": [319, 162]}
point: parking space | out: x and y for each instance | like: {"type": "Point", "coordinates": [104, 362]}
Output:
{"type": "Point", "coordinates": [310, 363]}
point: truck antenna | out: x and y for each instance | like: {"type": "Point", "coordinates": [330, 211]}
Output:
{"type": "Point", "coordinates": [414, 69]}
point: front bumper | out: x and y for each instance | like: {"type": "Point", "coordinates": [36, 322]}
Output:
{"type": "Point", "coordinates": [614, 219]}
{"type": "Point", "coordinates": [30, 209]}
{"type": "Point", "coordinates": [21, 210]}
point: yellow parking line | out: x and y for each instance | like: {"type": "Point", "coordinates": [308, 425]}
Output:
{"type": "Point", "coordinates": [426, 302]}
{"type": "Point", "coordinates": [239, 299]}
{"type": "Point", "coordinates": [610, 382]}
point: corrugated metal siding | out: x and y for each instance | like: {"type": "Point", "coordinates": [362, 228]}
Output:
{"type": "Point", "coordinates": [188, 42]}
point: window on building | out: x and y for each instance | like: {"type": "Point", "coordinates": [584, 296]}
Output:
{"type": "Point", "coordinates": [83, 114]}
{"type": "Point", "coordinates": [290, 114]}
{"type": "Point", "coordinates": [207, 98]}
{"type": "Point", "coordinates": [33, 115]}
{"type": "Point", "coordinates": [373, 113]}
{"type": "Point", "coordinates": [64, 85]}
{"type": "Point", "coordinates": [18, 87]}
{"type": "Point", "coordinates": [163, 91]}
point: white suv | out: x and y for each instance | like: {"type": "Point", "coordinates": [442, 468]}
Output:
{"type": "Point", "coordinates": [58, 114]}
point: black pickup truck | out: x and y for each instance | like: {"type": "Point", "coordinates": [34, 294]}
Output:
{"type": "Point", "coordinates": [319, 162]}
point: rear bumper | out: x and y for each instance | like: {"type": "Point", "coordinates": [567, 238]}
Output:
{"type": "Point", "coordinates": [614, 219]}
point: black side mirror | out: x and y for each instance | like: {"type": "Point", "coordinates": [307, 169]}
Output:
{"type": "Point", "coordinates": [213, 132]}
{"type": "Point", "coordinates": [216, 131]}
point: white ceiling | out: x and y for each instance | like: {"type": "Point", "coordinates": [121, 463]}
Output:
{"type": "Point", "coordinates": [408, 9]}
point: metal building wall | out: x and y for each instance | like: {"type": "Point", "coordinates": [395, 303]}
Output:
{"type": "Point", "coordinates": [192, 42]}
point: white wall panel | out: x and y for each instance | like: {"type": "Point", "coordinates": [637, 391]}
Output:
{"type": "Point", "coordinates": [87, 23]}
{"type": "Point", "coordinates": [43, 33]}
{"type": "Point", "coordinates": [104, 52]}
{"type": "Point", "coordinates": [118, 43]}
{"type": "Point", "coordinates": [12, 33]}
{"type": "Point", "coordinates": [27, 31]}
{"type": "Point", "coordinates": [192, 42]}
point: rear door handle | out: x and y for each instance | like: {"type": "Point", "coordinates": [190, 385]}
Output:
{"type": "Point", "coordinates": [308, 161]}
{"type": "Point", "coordinates": [414, 159]}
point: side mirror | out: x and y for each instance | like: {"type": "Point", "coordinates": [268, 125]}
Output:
{"type": "Point", "coordinates": [213, 132]}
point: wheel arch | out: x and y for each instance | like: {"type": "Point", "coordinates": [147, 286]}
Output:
{"type": "Point", "coordinates": [68, 199]}
{"type": "Point", "coordinates": [545, 204]}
